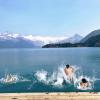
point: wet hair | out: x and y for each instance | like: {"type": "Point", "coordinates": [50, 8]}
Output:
{"type": "Point", "coordinates": [84, 80]}
{"type": "Point", "coordinates": [67, 66]}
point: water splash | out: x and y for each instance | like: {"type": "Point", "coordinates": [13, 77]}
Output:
{"type": "Point", "coordinates": [12, 78]}
{"type": "Point", "coordinates": [58, 77]}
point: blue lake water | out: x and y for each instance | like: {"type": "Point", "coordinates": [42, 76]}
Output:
{"type": "Point", "coordinates": [35, 69]}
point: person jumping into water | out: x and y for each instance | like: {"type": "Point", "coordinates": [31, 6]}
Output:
{"type": "Point", "coordinates": [69, 72]}
{"type": "Point", "coordinates": [84, 83]}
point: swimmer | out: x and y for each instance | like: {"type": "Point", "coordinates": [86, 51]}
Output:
{"type": "Point", "coordinates": [10, 78]}
{"type": "Point", "coordinates": [69, 72]}
{"type": "Point", "coordinates": [84, 83]}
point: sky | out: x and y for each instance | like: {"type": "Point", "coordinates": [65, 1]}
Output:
{"type": "Point", "coordinates": [50, 17]}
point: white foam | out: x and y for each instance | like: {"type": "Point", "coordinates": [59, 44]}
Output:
{"type": "Point", "coordinates": [41, 75]}
{"type": "Point", "coordinates": [12, 78]}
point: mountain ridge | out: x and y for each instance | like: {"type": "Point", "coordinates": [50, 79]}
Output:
{"type": "Point", "coordinates": [13, 40]}
{"type": "Point", "coordinates": [91, 40]}
{"type": "Point", "coordinates": [91, 34]}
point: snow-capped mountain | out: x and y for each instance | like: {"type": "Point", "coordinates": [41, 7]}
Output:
{"type": "Point", "coordinates": [35, 41]}
{"type": "Point", "coordinates": [14, 40]}
{"type": "Point", "coordinates": [74, 39]}
{"type": "Point", "coordinates": [44, 39]}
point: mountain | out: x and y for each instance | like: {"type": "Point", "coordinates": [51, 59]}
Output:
{"type": "Point", "coordinates": [74, 39]}
{"type": "Point", "coordinates": [13, 40]}
{"type": "Point", "coordinates": [91, 34]}
{"type": "Point", "coordinates": [92, 39]}
{"type": "Point", "coordinates": [44, 39]}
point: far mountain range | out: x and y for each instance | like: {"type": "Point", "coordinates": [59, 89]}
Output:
{"type": "Point", "coordinates": [13, 40]}
{"type": "Point", "coordinates": [91, 40]}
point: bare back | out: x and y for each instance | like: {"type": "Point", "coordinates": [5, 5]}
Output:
{"type": "Point", "coordinates": [69, 72]}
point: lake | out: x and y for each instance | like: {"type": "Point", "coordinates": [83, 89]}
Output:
{"type": "Point", "coordinates": [37, 70]}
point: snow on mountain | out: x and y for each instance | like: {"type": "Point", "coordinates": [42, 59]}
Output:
{"type": "Point", "coordinates": [8, 35]}
{"type": "Point", "coordinates": [74, 39]}
{"type": "Point", "coordinates": [45, 39]}
{"type": "Point", "coordinates": [37, 41]}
